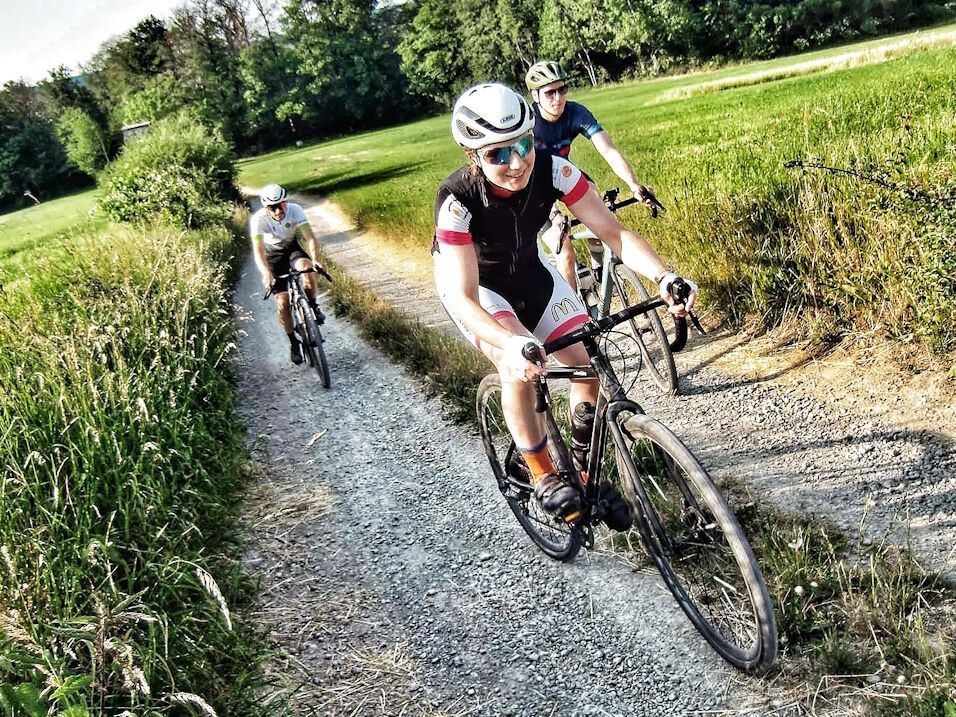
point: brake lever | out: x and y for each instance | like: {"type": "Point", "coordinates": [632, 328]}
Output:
{"type": "Point", "coordinates": [655, 204]}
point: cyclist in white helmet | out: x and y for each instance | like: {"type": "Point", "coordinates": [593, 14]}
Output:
{"type": "Point", "coordinates": [493, 279]}
{"type": "Point", "coordinates": [282, 238]}
{"type": "Point", "coordinates": [557, 122]}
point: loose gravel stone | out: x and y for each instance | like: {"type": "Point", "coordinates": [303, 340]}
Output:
{"type": "Point", "coordinates": [486, 619]}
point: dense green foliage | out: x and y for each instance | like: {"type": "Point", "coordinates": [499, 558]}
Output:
{"type": "Point", "coordinates": [835, 252]}
{"type": "Point", "coordinates": [451, 44]}
{"type": "Point", "coordinates": [31, 158]}
{"type": "Point", "coordinates": [266, 74]}
{"type": "Point", "coordinates": [121, 463]}
{"type": "Point", "coordinates": [178, 172]}
{"type": "Point", "coordinates": [83, 140]}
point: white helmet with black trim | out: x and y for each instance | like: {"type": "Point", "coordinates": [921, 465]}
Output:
{"type": "Point", "coordinates": [272, 194]}
{"type": "Point", "coordinates": [488, 114]}
{"type": "Point", "coordinates": [544, 72]}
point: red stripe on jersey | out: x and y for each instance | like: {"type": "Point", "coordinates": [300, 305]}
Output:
{"type": "Point", "coordinates": [567, 326]}
{"type": "Point", "coordinates": [447, 236]}
{"type": "Point", "coordinates": [499, 315]}
{"type": "Point", "coordinates": [578, 191]}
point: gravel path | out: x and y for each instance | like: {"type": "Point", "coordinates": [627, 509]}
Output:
{"type": "Point", "coordinates": [808, 442]}
{"type": "Point", "coordinates": [399, 583]}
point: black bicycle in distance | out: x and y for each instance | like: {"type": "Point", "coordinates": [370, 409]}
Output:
{"type": "Point", "coordinates": [681, 518]}
{"type": "Point", "coordinates": [304, 321]}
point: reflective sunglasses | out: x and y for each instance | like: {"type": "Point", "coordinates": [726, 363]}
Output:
{"type": "Point", "coordinates": [551, 94]}
{"type": "Point", "coordinates": [502, 155]}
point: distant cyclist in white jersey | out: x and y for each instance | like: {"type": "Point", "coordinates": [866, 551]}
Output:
{"type": "Point", "coordinates": [282, 238]}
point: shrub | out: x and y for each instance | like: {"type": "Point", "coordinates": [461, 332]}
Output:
{"type": "Point", "coordinates": [179, 172]}
{"type": "Point", "coordinates": [172, 195]}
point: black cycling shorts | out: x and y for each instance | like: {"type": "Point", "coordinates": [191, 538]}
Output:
{"type": "Point", "coordinates": [280, 263]}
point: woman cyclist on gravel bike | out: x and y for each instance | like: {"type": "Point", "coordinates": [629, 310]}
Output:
{"type": "Point", "coordinates": [493, 280]}
{"type": "Point", "coordinates": [282, 238]}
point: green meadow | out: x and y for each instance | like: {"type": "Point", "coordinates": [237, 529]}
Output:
{"type": "Point", "coordinates": [830, 252]}
{"type": "Point", "coordinates": [35, 226]}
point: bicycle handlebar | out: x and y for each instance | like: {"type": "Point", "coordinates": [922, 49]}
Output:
{"type": "Point", "coordinates": [610, 201]}
{"type": "Point", "coordinates": [679, 289]}
{"type": "Point", "coordinates": [295, 272]}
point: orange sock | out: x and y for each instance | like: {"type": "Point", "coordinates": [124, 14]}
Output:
{"type": "Point", "coordinates": [539, 461]}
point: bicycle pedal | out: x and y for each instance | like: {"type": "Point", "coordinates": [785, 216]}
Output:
{"type": "Point", "coordinates": [574, 517]}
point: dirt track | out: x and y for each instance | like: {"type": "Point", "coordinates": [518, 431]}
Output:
{"type": "Point", "coordinates": [397, 582]}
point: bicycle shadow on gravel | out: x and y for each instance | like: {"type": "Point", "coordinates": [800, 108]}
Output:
{"type": "Point", "coordinates": [689, 369]}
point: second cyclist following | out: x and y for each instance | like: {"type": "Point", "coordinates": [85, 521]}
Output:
{"type": "Point", "coordinates": [558, 121]}
{"type": "Point", "coordinates": [495, 282]}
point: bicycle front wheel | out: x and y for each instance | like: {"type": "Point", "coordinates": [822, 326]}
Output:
{"type": "Point", "coordinates": [552, 535]}
{"type": "Point", "coordinates": [646, 329]}
{"type": "Point", "coordinates": [315, 351]}
{"type": "Point", "coordinates": [696, 543]}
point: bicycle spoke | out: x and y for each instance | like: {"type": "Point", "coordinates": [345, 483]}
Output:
{"type": "Point", "coordinates": [549, 533]}
{"type": "Point", "coordinates": [699, 547]}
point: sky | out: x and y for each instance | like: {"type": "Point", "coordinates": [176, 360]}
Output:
{"type": "Point", "coordinates": [38, 35]}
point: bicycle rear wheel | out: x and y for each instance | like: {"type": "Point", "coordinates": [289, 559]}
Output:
{"type": "Point", "coordinates": [646, 329]}
{"type": "Point", "coordinates": [315, 351]}
{"type": "Point", "coordinates": [696, 543]}
{"type": "Point", "coordinates": [552, 535]}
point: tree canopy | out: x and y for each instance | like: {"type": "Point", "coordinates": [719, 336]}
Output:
{"type": "Point", "coordinates": [267, 72]}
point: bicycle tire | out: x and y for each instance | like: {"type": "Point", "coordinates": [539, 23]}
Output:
{"type": "Point", "coordinates": [696, 543]}
{"type": "Point", "coordinates": [647, 330]}
{"type": "Point", "coordinates": [313, 344]}
{"type": "Point", "coordinates": [553, 536]}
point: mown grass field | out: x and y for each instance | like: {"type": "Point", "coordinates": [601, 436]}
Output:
{"type": "Point", "coordinates": [836, 252]}
{"type": "Point", "coordinates": [35, 226]}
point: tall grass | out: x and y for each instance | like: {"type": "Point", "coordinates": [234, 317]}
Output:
{"type": "Point", "coordinates": [121, 464]}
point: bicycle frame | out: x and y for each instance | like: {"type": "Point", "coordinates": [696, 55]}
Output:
{"type": "Point", "coordinates": [609, 260]}
{"type": "Point", "coordinates": [611, 401]}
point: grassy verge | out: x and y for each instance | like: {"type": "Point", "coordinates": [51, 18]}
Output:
{"type": "Point", "coordinates": [122, 463]}
{"type": "Point", "coordinates": [870, 252]}
{"type": "Point", "coordinates": [856, 617]}
{"type": "Point", "coordinates": [450, 367]}
{"type": "Point", "coordinates": [40, 225]}
{"type": "Point", "coordinates": [858, 620]}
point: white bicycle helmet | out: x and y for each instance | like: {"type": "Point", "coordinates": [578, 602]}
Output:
{"type": "Point", "coordinates": [272, 194]}
{"type": "Point", "coordinates": [544, 72]}
{"type": "Point", "coordinates": [488, 114]}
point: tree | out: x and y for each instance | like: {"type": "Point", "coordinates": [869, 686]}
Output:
{"type": "Point", "coordinates": [345, 63]}
{"type": "Point", "coordinates": [206, 40]}
{"type": "Point", "coordinates": [145, 51]}
{"type": "Point", "coordinates": [83, 140]}
{"type": "Point", "coordinates": [160, 97]}
{"type": "Point", "coordinates": [31, 158]}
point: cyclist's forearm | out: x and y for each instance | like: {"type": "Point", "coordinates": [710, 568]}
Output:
{"type": "Point", "coordinates": [313, 247]}
{"type": "Point", "coordinates": [311, 243]}
{"type": "Point", "coordinates": [621, 167]}
{"type": "Point", "coordinates": [640, 256]}
{"type": "Point", "coordinates": [259, 256]}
